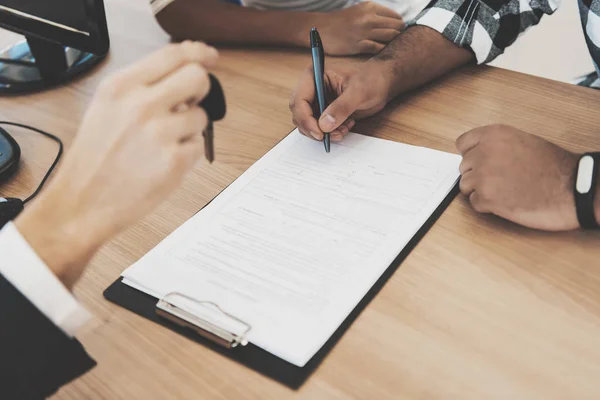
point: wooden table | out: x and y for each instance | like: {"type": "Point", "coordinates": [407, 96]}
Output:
{"type": "Point", "coordinates": [481, 309]}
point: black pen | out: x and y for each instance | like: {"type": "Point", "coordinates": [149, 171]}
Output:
{"type": "Point", "coordinates": [318, 57]}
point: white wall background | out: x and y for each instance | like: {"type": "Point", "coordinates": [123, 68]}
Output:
{"type": "Point", "coordinates": [553, 49]}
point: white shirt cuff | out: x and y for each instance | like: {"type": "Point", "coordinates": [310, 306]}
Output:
{"type": "Point", "coordinates": [24, 269]}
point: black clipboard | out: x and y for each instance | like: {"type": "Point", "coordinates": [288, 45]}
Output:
{"type": "Point", "coordinates": [253, 356]}
{"type": "Point", "coordinates": [250, 355]}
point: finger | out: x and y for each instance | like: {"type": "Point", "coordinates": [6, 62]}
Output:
{"type": "Point", "coordinates": [188, 84]}
{"type": "Point", "coordinates": [466, 165]}
{"type": "Point", "coordinates": [165, 61]}
{"type": "Point", "coordinates": [337, 137]}
{"type": "Point", "coordinates": [477, 203]}
{"type": "Point", "coordinates": [301, 106]}
{"type": "Point", "coordinates": [189, 152]}
{"type": "Point", "coordinates": [340, 110]}
{"type": "Point", "coordinates": [370, 47]}
{"type": "Point", "coordinates": [183, 126]}
{"type": "Point", "coordinates": [306, 122]}
{"type": "Point", "coordinates": [361, 114]}
{"type": "Point", "coordinates": [386, 23]}
{"type": "Point", "coordinates": [343, 130]}
{"type": "Point", "coordinates": [383, 35]}
{"type": "Point", "coordinates": [386, 12]}
{"type": "Point", "coordinates": [467, 183]}
{"type": "Point", "coordinates": [469, 140]}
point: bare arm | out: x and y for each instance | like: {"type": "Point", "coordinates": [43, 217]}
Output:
{"type": "Point", "coordinates": [363, 28]}
{"type": "Point", "coordinates": [124, 131]}
{"type": "Point", "coordinates": [418, 56]}
{"type": "Point", "coordinates": [415, 57]}
{"type": "Point", "coordinates": [216, 21]}
{"type": "Point", "coordinates": [447, 34]}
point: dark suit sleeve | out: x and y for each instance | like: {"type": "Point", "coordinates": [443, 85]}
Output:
{"type": "Point", "coordinates": [36, 357]}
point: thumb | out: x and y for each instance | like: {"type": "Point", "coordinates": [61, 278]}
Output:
{"type": "Point", "coordinates": [338, 111]}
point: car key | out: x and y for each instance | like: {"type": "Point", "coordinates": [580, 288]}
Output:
{"type": "Point", "coordinates": [209, 144]}
{"type": "Point", "coordinates": [214, 105]}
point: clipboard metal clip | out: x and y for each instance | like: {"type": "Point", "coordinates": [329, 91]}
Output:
{"type": "Point", "coordinates": [205, 318]}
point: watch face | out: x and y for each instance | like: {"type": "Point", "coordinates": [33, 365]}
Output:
{"type": "Point", "coordinates": [585, 173]}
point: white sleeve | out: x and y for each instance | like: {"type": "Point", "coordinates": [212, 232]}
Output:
{"type": "Point", "coordinates": [23, 268]}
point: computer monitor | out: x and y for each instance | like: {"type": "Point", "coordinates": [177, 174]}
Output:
{"type": "Point", "coordinates": [64, 38]}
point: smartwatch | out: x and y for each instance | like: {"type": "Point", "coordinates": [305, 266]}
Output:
{"type": "Point", "coordinates": [585, 189]}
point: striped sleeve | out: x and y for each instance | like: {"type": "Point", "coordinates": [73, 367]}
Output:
{"type": "Point", "coordinates": [485, 27]}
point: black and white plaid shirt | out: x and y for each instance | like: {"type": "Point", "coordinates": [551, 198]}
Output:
{"type": "Point", "coordinates": [487, 27]}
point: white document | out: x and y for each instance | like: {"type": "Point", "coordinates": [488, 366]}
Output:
{"type": "Point", "coordinates": [297, 241]}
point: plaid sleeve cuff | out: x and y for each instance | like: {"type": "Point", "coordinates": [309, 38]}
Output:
{"type": "Point", "coordinates": [485, 27]}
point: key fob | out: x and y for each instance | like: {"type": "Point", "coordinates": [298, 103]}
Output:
{"type": "Point", "coordinates": [215, 107]}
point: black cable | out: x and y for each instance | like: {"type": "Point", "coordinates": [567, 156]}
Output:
{"type": "Point", "coordinates": [58, 155]}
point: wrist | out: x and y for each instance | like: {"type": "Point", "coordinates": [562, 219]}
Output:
{"type": "Point", "coordinates": [417, 56]}
{"type": "Point", "coordinates": [589, 210]}
{"type": "Point", "coordinates": [59, 237]}
{"type": "Point", "coordinates": [301, 26]}
{"type": "Point", "coordinates": [597, 202]}
{"type": "Point", "coordinates": [384, 77]}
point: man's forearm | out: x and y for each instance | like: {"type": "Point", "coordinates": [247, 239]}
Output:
{"type": "Point", "coordinates": [64, 241]}
{"type": "Point", "coordinates": [215, 21]}
{"type": "Point", "coordinates": [418, 56]}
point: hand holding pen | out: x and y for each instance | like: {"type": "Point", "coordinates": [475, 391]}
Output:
{"type": "Point", "coordinates": [355, 90]}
